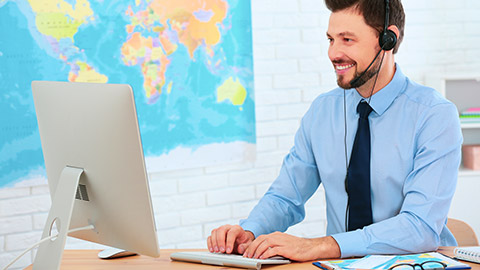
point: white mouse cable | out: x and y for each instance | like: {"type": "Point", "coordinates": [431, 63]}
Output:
{"type": "Point", "coordinates": [89, 227]}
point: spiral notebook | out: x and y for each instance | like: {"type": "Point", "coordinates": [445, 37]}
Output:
{"type": "Point", "coordinates": [471, 254]}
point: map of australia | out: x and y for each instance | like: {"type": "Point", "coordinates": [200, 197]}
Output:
{"type": "Point", "coordinates": [189, 63]}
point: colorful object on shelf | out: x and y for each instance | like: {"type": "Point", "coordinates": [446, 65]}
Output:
{"type": "Point", "coordinates": [470, 115]}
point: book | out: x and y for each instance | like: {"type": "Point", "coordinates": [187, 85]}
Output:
{"type": "Point", "coordinates": [387, 261]}
{"type": "Point", "coordinates": [471, 254]}
{"type": "Point", "coordinates": [470, 115]}
{"type": "Point", "coordinates": [473, 109]}
{"type": "Point", "coordinates": [469, 120]}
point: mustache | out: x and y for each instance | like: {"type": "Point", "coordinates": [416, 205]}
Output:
{"type": "Point", "coordinates": [343, 61]}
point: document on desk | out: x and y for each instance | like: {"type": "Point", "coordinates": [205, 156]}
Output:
{"type": "Point", "coordinates": [387, 261]}
{"type": "Point", "coordinates": [370, 262]}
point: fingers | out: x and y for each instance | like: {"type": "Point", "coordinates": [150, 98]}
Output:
{"type": "Point", "coordinates": [209, 244]}
{"type": "Point", "coordinates": [273, 251]}
{"type": "Point", "coordinates": [220, 236]}
{"type": "Point", "coordinates": [223, 239]}
{"type": "Point", "coordinates": [288, 246]}
{"type": "Point", "coordinates": [216, 237]}
{"type": "Point", "coordinates": [265, 246]}
{"type": "Point", "coordinates": [251, 251]}
{"type": "Point", "coordinates": [242, 247]}
{"type": "Point", "coordinates": [232, 235]}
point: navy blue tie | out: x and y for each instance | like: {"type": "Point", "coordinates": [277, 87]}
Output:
{"type": "Point", "coordinates": [358, 175]}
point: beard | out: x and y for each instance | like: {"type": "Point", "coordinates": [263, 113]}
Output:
{"type": "Point", "coordinates": [359, 78]}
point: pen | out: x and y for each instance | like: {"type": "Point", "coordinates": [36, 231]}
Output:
{"type": "Point", "coordinates": [325, 266]}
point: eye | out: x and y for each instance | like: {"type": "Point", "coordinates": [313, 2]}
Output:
{"type": "Point", "coordinates": [347, 39]}
{"type": "Point", "coordinates": [330, 40]}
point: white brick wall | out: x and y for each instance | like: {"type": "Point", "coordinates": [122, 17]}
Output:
{"type": "Point", "coordinates": [20, 241]}
{"type": "Point", "coordinates": [291, 69]}
{"type": "Point", "coordinates": [7, 193]}
{"type": "Point", "coordinates": [7, 257]}
{"type": "Point", "coordinates": [15, 224]}
{"type": "Point", "coordinates": [2, 243]}
{"type": "Point", "coordinates": [25, 205]}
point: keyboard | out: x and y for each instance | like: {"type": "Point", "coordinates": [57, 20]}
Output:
{"type": "Point", "coordinates": [222, 259]}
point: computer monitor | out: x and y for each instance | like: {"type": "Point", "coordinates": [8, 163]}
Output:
{"type": "Point", "coordinates": [95, 168]}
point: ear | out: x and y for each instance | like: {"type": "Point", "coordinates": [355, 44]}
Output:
{"type": "Point", "coordinates": [394, 28]}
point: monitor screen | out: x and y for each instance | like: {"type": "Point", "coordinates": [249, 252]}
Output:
{"type": "Point", "coordinates": [94, 127]}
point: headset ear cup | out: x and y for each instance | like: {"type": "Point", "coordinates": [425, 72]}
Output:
{"type": "Point", "coordinates": [387, 40]}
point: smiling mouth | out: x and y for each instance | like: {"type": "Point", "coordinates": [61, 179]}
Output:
{"type": "Point", "coordinates": [343, 67]}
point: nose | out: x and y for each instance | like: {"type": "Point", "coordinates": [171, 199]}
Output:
{"type": "Point", "coordinates": [335, 52]}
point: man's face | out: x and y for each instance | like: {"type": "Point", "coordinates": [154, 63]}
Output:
{"type": "Point", "coordinates": [353, 46]}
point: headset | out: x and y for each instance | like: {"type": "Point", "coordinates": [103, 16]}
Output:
{"type": "Point", "coordinates": [387, 41]}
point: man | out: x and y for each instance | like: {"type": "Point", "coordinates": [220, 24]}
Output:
{"type": "Point", "coordinates": [412, 141]}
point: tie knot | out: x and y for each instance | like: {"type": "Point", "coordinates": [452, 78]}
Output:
{"type": "Point", "coordinates": [364, 109]}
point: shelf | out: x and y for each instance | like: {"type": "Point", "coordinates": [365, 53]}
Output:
{"type": "Point", "coordinates": [463, 90]}
{"type": "Point", "coordinates": [470, 125]}
{"type": "Point", "coordinates": [466, 172]}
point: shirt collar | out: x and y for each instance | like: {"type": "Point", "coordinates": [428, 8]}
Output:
{"type": "Point", "coordinates": [384, 98]}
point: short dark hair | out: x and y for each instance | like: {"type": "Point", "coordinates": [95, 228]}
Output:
{"type": "Point", "coordinates": [373, 12]}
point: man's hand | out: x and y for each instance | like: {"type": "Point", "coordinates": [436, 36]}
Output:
{"type": "Point", "coordinates": [292, 247]}
{"type": "Point", "coordinates": [229, 238]}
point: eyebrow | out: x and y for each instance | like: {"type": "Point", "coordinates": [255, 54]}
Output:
{"type": "Point", "coordinates": [342, 34]}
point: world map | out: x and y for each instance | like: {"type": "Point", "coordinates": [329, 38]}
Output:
{"type": "Point", "coordinates": [189, 62]}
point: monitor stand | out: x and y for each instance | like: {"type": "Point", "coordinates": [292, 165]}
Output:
{"type": "Point", "coordinates": [49, 254]}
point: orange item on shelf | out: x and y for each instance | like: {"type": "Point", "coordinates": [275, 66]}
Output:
{"type": "Point", "coordinates": [471, 156]}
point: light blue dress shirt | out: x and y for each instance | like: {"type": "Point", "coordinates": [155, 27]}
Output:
{"type": "Point", "coordinates": [416, 141]}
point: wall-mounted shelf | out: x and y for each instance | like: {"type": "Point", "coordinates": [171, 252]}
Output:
{"type": "Point", "coordinates": [466, 172]}
{"type": "Point", "coordinates": [470, 125]}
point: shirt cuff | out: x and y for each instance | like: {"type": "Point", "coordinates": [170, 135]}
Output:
{"type": "Point", "coordinates": [251, 226]}
{"type": "Point", "coordinates": [351, 243]}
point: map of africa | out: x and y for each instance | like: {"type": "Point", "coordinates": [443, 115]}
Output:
{"type": "Point", "coordinates": [189, 62]}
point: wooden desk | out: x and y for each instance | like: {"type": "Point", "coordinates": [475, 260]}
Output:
{"type": "Point", "coordinates": [87, 259]}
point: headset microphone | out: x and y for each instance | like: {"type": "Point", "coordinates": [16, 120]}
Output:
{"type": "Point", "coordinates": [354, 81]}
{"type": "Point", "coordinates": [387, 41]}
